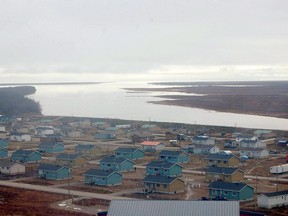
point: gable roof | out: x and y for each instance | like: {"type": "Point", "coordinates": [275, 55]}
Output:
{"type": "Point", "coordinates": [221, 170]}
{"type": "Point", "coordinates": [65, 156]}
{"type": "Point", "coordinates": [278, 193]}
{"type": "Point", "coordinates": [228, 186]}
{"type": "Point", "coordinates": [220, 156]}
{"type": "Point", "coordinates": [151, 143]}
{"type": "Point", "coordinates": [172, 153]}
{"type": "Point", "coordinates": [8, 163]}
{"type": "Point", "coordinates": [50, 144]}
{"type": "Point", "coordinates": [162, 164]}
{"type": "Point", "coordinates": [98, 172]}
{"type": "Point", "coordinates": [201, 138]}
{"type": "Point", "coordinates": [112, 159]}
{"type": "Point", "coordinates": [24, 152]}
{"type": "Point", "coordinates": [207, 147]}
{"type": "Point", "coordinates": [50, 167]}
{"type": "Point", "coordinates": [127, 150]}
{"type": "Point", "coordinates": [159, 179]}
{"type": "Point", "coordinates": [172, 208]}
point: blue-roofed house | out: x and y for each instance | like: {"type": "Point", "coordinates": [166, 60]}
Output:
{"type": "Point", "coordinates": [224, 174]}
{"type": "Point", "coordinates": [104, 136]}
{"type": "Point", "coordinates": [53, 172]}
{"type": "Point", "coordinates": [3, 153]}
{"type": "Point", "coordinates": [163, 168]}
{"type": "Point", "coordinates": [4, 143]}
{"type": "Point", "coordinates": [20, 137]}
{"type": "Point", "coordinates": [88, 150]}
{"type": "Point", "coordinates": [174, 156]}
{"type": "Point", "coordinates": [102, 177]}
{"type": "Point", "coordinates": [206, 149]}
{"type": "Point", "coordinates": [51, 147]}
{"type": "Point", "coordinates": [203, 140]}
{"type": "Point", "coordinates": [26, 156]}
{"type": "Point", "coordinates": [129, 153]}
{"type": "Point", "coordinates": [230, 191]}
{"type": "Point", "coordinates": [71, 160]}
{"type": "Point", "coordinates": [222, 160]}
{"type": "Point", "coordinates": [254, 152]}
{"type": "Point", "coordinates": [116, 164]}
{"type": "Point", "coordinates": [163, 184]}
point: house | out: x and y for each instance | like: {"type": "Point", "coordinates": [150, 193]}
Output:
{"type": "Point", "coordinates": [174, 156]}
{"type": "Point", "coordinates": [44, 130]}
{"type": "Point", "coordinates": [163, 168]}
{"type": "Point", "coordinates": [11, 167]}
{"type": "Point", "coordinates": [114, 131]}
{"type": "Point", "coordinates": [3, 134]}
{"type": "Point", "coordinates": [26, 156]}
{"type": "Point", "coordinates": [88, 150]}
{"type": "Point", "coordinates": [264, 134]}
{"type": "Point", "coordinates": [254, 152]}
{"type": "Point", "coordinates": [241, 137]}
{"type": "Point", "coordinates": [101, 125]}
{"type": "Point", "coordinates": [138, 138]}
{"type": "Point", "coordinates": [20, 137]}
{"type": "Point", "coordinates": [116, 164]}
{"type": "Point", "coordinates": [4, 143]}
{"type": "Point", "coordinates": [71, 132]}
{"type": "Point", "coordinates": [252, 144]}
{"type": "Point", "coordinates": [71, 160]}
{"type": "Point", "coordinates": [224, 174]}
{"type": "Point", "coordinates": [203, 140]}
{"type": "Point", "coordinates": [230, 191]}
{"type": "Point", "coordinates": [230, 144]}
{"type": "Point", "coordinates": [282, 143]}
{"type": "Point", "coordinates": [205, 149]}
{"type": "Point", "coordinates": [170, 135]}
{"type": "Point", "coordinates": [123, 126]}
{"type": "Point", "coordinates": [222, 160]}
{"type": "Point", "coordinates": [104, 136]}
{"type": "Point", "coordinates": [3, 153]}
{"type": "Point", "coordinates": [51, 138]}
{"type": "Point", "coordinates": [129, 153]}
{"type": "Point", "coordinates": [152, 146]}
{"type": "Point", "coordinates": [173, 207]}
{"type": "Point", "coordinates": [102, 177]}
{"type": "Point", "coordinates": [163, 184]}
{"type": "Point", "coordinates": [51, 147]}
{"type": "Point", "coordinates": [85, 123]}
{"type": "Point", "coordinates": [274, 199]}
{"type": "Point", "coordinates": [53, 172]}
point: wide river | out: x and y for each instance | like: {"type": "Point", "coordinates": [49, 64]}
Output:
{"type": "Point", "coordinates": [110, 100]}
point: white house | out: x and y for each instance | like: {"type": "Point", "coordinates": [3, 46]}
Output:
{"type": "Point", "coordinates": [254, 152]}
{"type": "Point", "coordinates": [252, 144]}
{"type": "Point", "coordinates": [20, 137]}
{"type": "Point", "coordinates": [205, 149]}
{"type": "Point", "coordinates": [203, 140]}
{"type": "Point", "coordinates": [274, 199]}
{"type": "Point", "coordinates": [152, 146]}
{"type": "Point", "coordinates": [11, 168]}
{"type": "Point", "coordinates": [44, 130]}
{"type": "Point", "coordinates": [245, 137]}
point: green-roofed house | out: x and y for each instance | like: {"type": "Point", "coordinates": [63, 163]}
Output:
{"type": "Point", "coordinates": [163, 184]}
{"type": "Point", "coordinates": [230, 191]}
{"type": "Point", "coordinates": [129, 153]}
{"type": "Point", "coordinates": [71, 160]}
{"type": "Point", "coordinates": [163, 168]}
{"type": "Point", "coordinates": [174, 156]}
{"type": "Point", "coordinates": [102, 177]}
{"type": "Point", "coordinates": [53, 172]}
{"type": "Point", "coordinates": [88, 150]}
{"type": "Point", "coordinates": [116, 164]}
{"type": "Point", "coordinates": [26, 156]}
{"type": "Point", "coordinates": [224, 174]}
{"type": "Point", "coordinates": [51, 147]}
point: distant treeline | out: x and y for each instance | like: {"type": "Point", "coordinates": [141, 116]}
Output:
{"type": "Point", "coordinates": [14, 102]}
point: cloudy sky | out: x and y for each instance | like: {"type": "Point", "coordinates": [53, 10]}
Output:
{"type": "Point", "coordinates": [153, 40]}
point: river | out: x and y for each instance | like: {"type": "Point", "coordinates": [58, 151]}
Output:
{"type": "Point", "coordinates": [110, 100]}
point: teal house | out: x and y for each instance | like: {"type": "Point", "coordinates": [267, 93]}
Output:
{"type": "Point", "coordinates": [104, 136]}
{"type": "Point", "coordinates": [116, 164]}
{"type": "Point", "coordinates": [51, 147]}
{"type": "Point", "coordinates": [102, 177]}
{"type": "Point", "coordinates": [4, 143]}
{"type": "Point", "coordinates": [163, 168]}
{"type": "Point", "coordinates": [26, 156]}
{"type": "Point", "coordinates": [230, 191]}
{"type": "Point", "coordinates": [53, 172]}
{"type": "Point", "coordinates": [174, 156]}
{"type": "Point", "coordinates": [129, 153]}
{"type": "Point", "coordinates": [3, 153]}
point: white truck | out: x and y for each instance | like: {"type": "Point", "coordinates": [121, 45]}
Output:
{"type": "Point", "coordinates": [279, 169]}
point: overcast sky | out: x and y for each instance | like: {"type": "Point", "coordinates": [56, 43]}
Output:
{"type": "Point", "coordinates": [168, 40]}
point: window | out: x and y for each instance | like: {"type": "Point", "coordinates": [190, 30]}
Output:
{"type": "Point", "coordinates": [234, 194]}
{"type": "Point", "coordinates": [158, 185]}
{"type": "Point", "coordinates": [165, 186]}
{"type": "Point", "coordinates": [225, 192]}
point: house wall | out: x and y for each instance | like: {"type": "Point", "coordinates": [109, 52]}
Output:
{"type": "Point", "coordinates": [34, 157]}
{"type": "Point", "coordinates": [238, 176]}
{"type": "Point", "coordinates": [271, 202]}
{"type": "Point", "coordinates": [114, 179]}
{"type": "Point", "coordinates": [3, 153]}
{"type": "Point", "coordinates": [54, 175]}
{"type": "Point", "coordinates": [13, 170]}
{"type": "Point", "coordinates": [246, 193]}
{"type": "Point", "coordinates": [3, 143]}
{"type": "Point", "coordinates": [80, 161]}
{"type": "Point", "coordinates": [229, 195]}
{"type": "Point", "coordinates": [126, 166]}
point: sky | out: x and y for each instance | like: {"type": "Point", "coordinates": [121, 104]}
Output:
{"type": "Point", "coordinates": [149, 40]}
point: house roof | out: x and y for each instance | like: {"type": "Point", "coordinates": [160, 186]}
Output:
{"type": "Point", "coordinates": [208, 147]}
{"type": "Point", "coordinates": [114, 160]}
{"type": "Point", "coordinates": [221, 170]}
{"type": "Point", "coordinates": [98, 172]}
{"type": "Point", "coordinates": [227, 186]}
{"type": "Point", "coordinates": [262, 131]}
{"type": "Point", "coordinates": [65, 156]}
{"type": "Point", "coordinates": [50, 167]}
{"type": "Point", "coordinates": [278, 193]}
{"type": "Point", "coordinates": [126, 150]}
{"type": "Point", "coordinates": [219, 156]}
{"type": "Point", "coordinates": [86, 146]}
{"type": "Point", "coordinates": [159, 179]}
{"type": "Point", "coordinates": [151, 143]}
{"type": "Point", "coordinates": [50, 144]}
{"type": "Point", "coordinates": [172, 208]}
{"type": "Point", "coordinates": [8, 163]}
{"type": "Point", "coordinates": [171, 153]}
{"type": "Point", "coordinates": [24, 152]}
{"type": "Point", "coordinates": [200, 138]}
{"type": "Point", "coordinates": [162, 164]}
{"type": "Point", "coordinates": [249, 141]}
